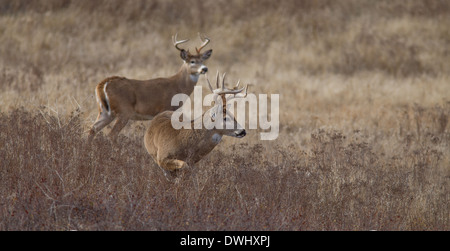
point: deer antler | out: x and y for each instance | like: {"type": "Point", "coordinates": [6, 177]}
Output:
{"type": "Point", "coordinates": [217, 82]}
{"type": "Point", "coordinates": [224, 91]}
{"type": "Point", "coordinates": [176, 43]}
{"type": "Point", "coordinates": [205, 41]}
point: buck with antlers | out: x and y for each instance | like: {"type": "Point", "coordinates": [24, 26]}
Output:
{"type": "Point", "coordinates": [129, 99]}
{"type": "Point", "coordinates": [174, 149]}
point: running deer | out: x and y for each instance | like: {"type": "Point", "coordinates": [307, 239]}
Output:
{"type": "Point", "coordinates": [175, 149]}
{"type": "Point", "coordinates": [129, 99]}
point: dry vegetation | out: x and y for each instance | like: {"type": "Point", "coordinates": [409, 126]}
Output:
{"type": "Point", "coordinates": [364, 110]}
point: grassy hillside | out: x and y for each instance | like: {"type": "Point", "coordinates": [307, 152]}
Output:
{"type": "Point", "coordinates": [364, 109]}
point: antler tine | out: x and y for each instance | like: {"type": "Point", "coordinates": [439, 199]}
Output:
{"type": "Point", "coordinates": [223, 81]}
{"type": "Point", "coordinates": [223, 90]}
{"type": "Point", "coordinates": [237, 85]}
{"type": "Point", "coordinates": [205, 41]}
{"type": "Point", "coordinates": [245, 93]}
{"type": "Point", "coordinates": [234, 91]}
{"type": "Point", "coordinates": [176, 43]}
{"type": "Point", "coordinates": [217, 79]}
{"type": "Point", "coordinates": [209, 83]}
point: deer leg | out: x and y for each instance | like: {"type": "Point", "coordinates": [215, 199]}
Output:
{"type": "Point", "coordinates": [174, 170]}
{"type": "Point", "coordinates": [172, 164]}
{"type": "Point", "coordinates": [118, 126]}
{"type": "Point", "coordinates": [102, 120]}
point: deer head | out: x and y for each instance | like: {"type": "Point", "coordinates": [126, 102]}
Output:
{"type": "Point", "coordinates": [224, 120]}
{"type": "Point", "coordinates": [195, 62]}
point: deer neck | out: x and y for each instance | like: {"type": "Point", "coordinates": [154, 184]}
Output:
{"type": "Point", "coordinates": [212, 136]}
{"type": "Point", "coordinates": [186, 80]}
{"type": "Point", "coordinates": [206, 139]}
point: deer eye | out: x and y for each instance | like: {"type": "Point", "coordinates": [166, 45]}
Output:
{"type": "Point", "coordinates": [192, 62]}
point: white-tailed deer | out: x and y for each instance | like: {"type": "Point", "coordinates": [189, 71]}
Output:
{"type": "Point", "coordinates": [129, 99]}
{"type": "Point", "coordinates": [174, 149]}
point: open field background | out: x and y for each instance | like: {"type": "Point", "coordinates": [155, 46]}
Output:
{"type": "Point", "coordinates": [364, 110]}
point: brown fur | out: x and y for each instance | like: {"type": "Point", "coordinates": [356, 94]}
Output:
{"type": "Point", "coordinates": [101, 94]}
{"type": "Point", "coordinates": [129, 99]}
{"type": "Point", "coordinates": [174, 149]}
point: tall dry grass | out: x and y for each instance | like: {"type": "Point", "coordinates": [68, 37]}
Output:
{"type": "Point", "coordinates": [53, 180]}
{"type": "Point", "coordinates": [364, 111]}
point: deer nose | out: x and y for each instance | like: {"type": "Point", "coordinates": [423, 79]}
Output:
{"type": "Point", "coordinates": [241, 134]}
{"type": "Point", "coordinates": [204, 70]}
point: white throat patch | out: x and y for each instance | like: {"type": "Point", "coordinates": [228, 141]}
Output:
{"type": "Point", "coordinates": [194, 77]}
{"type": "Point", "coordinates": [216, 138]}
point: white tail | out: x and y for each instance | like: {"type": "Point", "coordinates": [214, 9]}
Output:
{"type": "Point", "coordinates": [174, 149]}
{"type": "Point", "coordinates": [129, 99]}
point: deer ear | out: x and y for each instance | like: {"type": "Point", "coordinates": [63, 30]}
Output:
{"type": "Point", "coordinates": [206, 55]}
{"type": "Point", "coordinates": [184, 55]}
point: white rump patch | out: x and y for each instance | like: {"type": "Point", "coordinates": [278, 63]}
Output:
{"type": "Point", "coordinates": [98, 99]}
{"type": "Point", "coordinates": [107, 99]}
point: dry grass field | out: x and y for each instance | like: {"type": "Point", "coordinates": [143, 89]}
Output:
{"type": "Point", "coordinates": [364, 138]}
